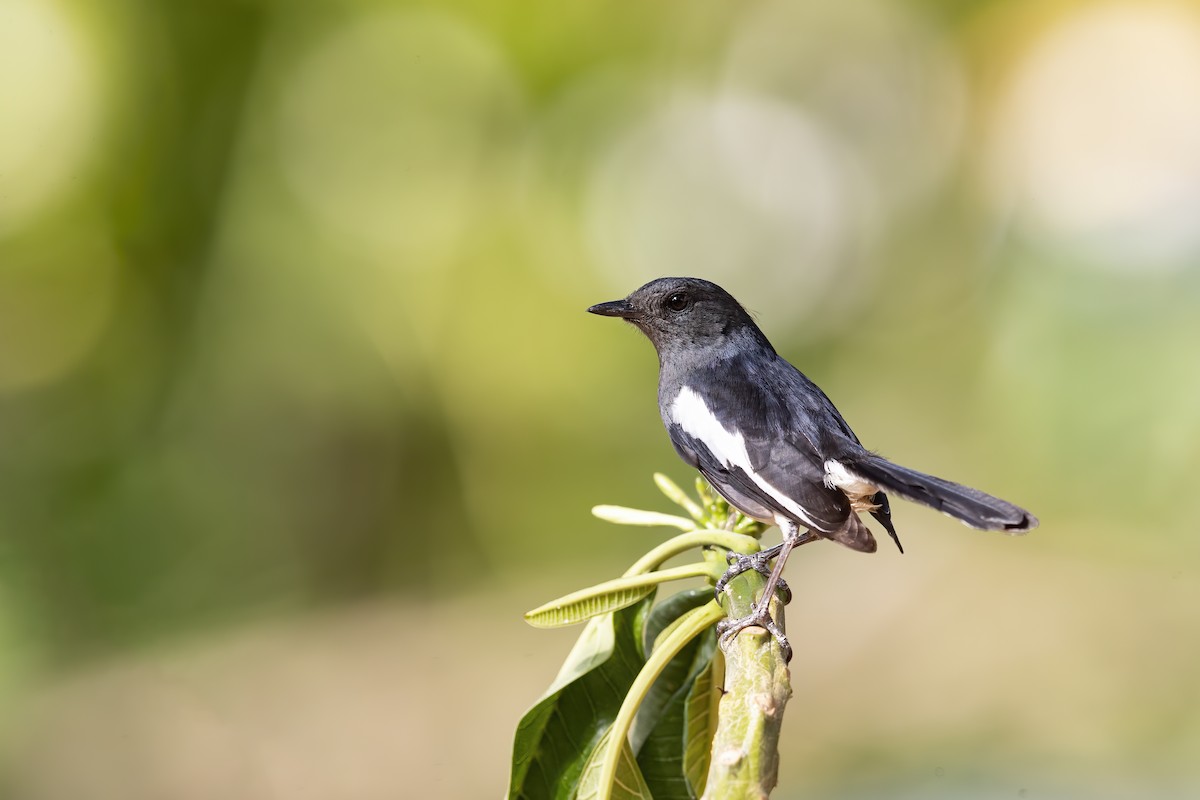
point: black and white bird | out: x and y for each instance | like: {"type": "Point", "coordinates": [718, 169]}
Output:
{"type": "Point", "coordinates": [770, 441]}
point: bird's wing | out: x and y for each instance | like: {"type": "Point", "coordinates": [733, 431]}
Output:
{"type": "Point", "coordinates": [731, 481]}
{"type": "Point", "coordinates": [743, 435]}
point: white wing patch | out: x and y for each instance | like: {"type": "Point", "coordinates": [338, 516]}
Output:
{"type": "Point", "coordinates": [690, 412]}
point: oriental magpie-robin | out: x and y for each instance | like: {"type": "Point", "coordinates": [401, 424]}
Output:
{"type": "Point", "coordinates": [770, 441]}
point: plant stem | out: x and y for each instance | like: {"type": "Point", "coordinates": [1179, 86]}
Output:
{"type": "Point", "coordinates": [745, 750]}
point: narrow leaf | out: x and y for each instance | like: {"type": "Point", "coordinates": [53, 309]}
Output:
{"type": "Point", "coordinates": [608, 596]}
{"type": "Point", "coordinates": [636, 516]}
{"type": "Point", "coordinates": [669, 631]}
{"type": "Point", "coordinates": [700, 722]}
{"type": "Point", "coordinates": [671, 609]}
{"type": "Point", "coordinates": [661, 754]}
{"type": "Point", "coordinates": [673, 676]}
{"type": "Point", "coordinates": [705, 537]}
{"type": "Point", "coordinates": [692, 624]}
{"type": "Point", "coordinates": [627, 783]}
{"type": "Point", "coordinates": [586, 604]}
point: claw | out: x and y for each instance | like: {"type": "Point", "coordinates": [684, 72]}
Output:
{"type": "Point", "coordinates": [760, 612]}
{"type": "Point", "coordinates": [759, 562]}
{"type": "Point", "coordinates": [728, 629]}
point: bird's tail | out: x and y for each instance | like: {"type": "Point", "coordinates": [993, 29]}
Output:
{"type": "Point", "coordinates": [971, 506]}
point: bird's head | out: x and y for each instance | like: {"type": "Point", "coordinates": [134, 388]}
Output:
{"type": "Point", "coordinates": [684, 313]}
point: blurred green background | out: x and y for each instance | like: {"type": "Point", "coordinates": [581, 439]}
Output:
{"type": "Point", "coordinates": [299, 408]}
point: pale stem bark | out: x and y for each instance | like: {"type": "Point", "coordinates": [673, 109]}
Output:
{"type": "Point", "coordinates": [745, 750]}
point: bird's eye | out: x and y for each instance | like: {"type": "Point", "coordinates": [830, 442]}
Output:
{"type": "Point", "coordinates": [678, 301]}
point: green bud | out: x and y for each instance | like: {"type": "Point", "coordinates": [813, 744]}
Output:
{"type": "Point", "coordinates": [678, 496]}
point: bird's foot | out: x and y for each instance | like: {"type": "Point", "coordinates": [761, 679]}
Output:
{"type": "Point", "coordinates": [760, 617]}
{"type": "Point", "coordinates": [760, 611]}
{"type": "Point", "coordinates": [760, 562]}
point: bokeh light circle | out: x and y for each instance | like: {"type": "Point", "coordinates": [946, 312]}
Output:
{"type": "Point", "coordinates": [48, 107]}
{"type": "Point", "coordinates": [1096, 146]}
{"type": "Point", "coordinates": [740, 189]}
{"type": "Point", "coordinates": [383, 126]}
{"type": "Point", "coordinates": [878, 75]}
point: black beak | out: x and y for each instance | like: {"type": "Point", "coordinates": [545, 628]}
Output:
{"type": "Point", "coordinates": [614, 308]}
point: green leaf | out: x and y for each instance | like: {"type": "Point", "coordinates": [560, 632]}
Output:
{"type": "Point", "coordinates": [636, 516]}
{"type": "Point", "coordinates": [661, 755]}
{"type": "Point", "coordinates": [671, 609]}
{"type": "Point", "coordinates": [675, 674]}
{"type": "Point", "coordinates": [628, 783]}
{"type": "Point", "coordinates": [608, 596]}
{"type": "Point", "coordinates": [557, 735]}
{"type": "Point", "coordinates": [669, 631]}
{"type": "Point", "coordinates": [700, 723]}
{"type": "Point", "coordinates": [691, 625]}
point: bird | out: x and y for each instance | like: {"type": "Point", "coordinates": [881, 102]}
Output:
{"type": "Point", "coordinates": [770, 442]}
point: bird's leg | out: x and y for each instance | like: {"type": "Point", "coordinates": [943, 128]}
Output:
{"type": "Point", "coordinates": [760, 613]}
{"type": "Point", "coordinates": [760, 562]}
